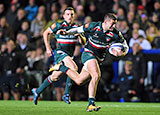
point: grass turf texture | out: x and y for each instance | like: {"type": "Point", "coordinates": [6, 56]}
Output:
{"type": "Point", "coordinates": [76, 108]}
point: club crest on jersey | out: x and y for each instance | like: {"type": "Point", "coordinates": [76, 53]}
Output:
{"type": "Point", "coordinates": [97, 28]}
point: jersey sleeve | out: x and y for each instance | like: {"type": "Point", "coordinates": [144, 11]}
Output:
{"type": "Point", "coordinates": [89, 27]}
{"type": "Point", "coordinates": [54, 27]}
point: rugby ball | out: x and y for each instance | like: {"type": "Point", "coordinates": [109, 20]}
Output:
{"type": "Point", "coordinates": [115, 47]}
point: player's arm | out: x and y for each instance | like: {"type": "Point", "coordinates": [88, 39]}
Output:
{"type": "Point", "coordinates": [125, 45]}
{"type": "Point", "coordinates": [46, 40]}
{"type": "Point", "coordinates": [77, 30]}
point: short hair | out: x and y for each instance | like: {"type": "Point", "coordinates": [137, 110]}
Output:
{"type": "Point", "coordinates": [110, 16]}
{"type": "Point", "coordinates": [140, 36]}
{"type": "Point", "coordinates": [68, 8]}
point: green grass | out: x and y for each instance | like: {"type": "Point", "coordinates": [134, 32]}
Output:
{"type": "Point", "coordinates": [76, 108]}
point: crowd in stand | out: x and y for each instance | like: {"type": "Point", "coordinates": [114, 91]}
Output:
{"type": "Point", "coordinates": [23, 60]}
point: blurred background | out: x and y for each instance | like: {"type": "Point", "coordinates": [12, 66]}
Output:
{"type": "Point", "coordinates": [24, 63]}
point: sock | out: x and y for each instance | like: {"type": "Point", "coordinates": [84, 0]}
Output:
{"type": "Point", "coordinates": [44, 85]}
{"type": "Point", "coordinates": [68, 86]}
{"type": "Point", "coordinates": [63, 68]}
{"type": "Point", "coordinates": [91, 101]}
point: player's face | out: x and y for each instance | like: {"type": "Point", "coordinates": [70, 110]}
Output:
{"type": "Point", "coordinates": [68, 16]}
{"type": "Point", "coordinates": [110, 24]}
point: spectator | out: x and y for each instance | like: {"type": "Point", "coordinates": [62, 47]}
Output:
{"type": "Point", "coordinates": [12, 66]}
{"type": "Point", "coordinates": [136, 26]}
{"type": "Point", "coordinates": [144, 44]}
{"type": "Point", "coordinates": [130, 19]}
{"type": "Point", "coordinates": [42, 9]}
{"type": "Point", "coordinates": [54, 18]}
{"type": "Point", "coordinates": [63, 6]}
{"type": "Point", "coordinates": [25, 29]}
{"type": "Point", "coordinates": [152, 32]}
{"type": "Point", "coordinates": [94, 13]}
{"type": "Point", "coordinates": [132, 7]}
{"type": "Point", "coordinates": [37, 27]}
{"type": "Point", "coordinates": [140, 10]}
{"type": "Point", "coordinates": [2, 10]}
{"type": "Point", "coordinates": [139, 69]}
{"type": "Point", "coordinates": [126, 31]}
{"type": "Point", "coordinates": [2, 37]}
{"type": "Point", "coordinates": [144, 22]}
{"type": "Point", "coordinates": [157, 8]}
{"type": "Point", "coordinates": [23, 45]}
{"type": "Point", "coordinates": [31, 10]}
{"type": "Point", "coordinates": [155, 20]}
{"type": "Point", "coordinates": [75, 3]}
{"type": "Point", "coordinates": [156, 41]}
{"type": "Point", "coordinates": [3, 48]}
{"type": "Point", "coordinates": [134, 38]}
{"type": "Point", "coordinates": [19, 19]}
{"type": "Point", "coordinates": [36, 60]}
{"type": "Point", "coordinates": [11, 15]}
{"type": "Point", "coordinates": [53, 8]}
{"type": "Point", "coordinates": [125, 85]}
{"type": "Point", "coordinates": [7, 30]}
{"type": "Point", "coordinates": [121, 14]}
{"type": "Point", "coordinates": [80, 13]}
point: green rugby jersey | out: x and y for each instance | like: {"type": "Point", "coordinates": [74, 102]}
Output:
{"type": "Point", "coordinates": [99, 41]}
{"type": "Point", "coordinates": [66, 43]}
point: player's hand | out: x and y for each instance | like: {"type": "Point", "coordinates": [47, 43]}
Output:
{"type": "Point", "coordinates": [49, 52]}
{"type": "Point", "coordinates": [62, 32]}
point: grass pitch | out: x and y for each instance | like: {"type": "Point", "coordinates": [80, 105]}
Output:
{"type": "Point", "coordinates": [76, 108]}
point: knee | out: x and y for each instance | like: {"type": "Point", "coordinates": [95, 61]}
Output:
{"type": "Point", "coordinates": [96, 77]}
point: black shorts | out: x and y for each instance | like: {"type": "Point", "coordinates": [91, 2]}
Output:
{"type": "Point", "coordinates": [10, 82]}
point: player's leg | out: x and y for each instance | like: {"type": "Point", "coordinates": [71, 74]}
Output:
{"type": "Point", "coordinates": [48, 81]}
{"type": "Point", "coordinates": [5, 87]}
{"type": "Point", "coordinates": [14, 85]}
{"type": "Point", "coordinates": [72, 65]}
{"type": "Point", "coordinates": [93, 69]}
{"type": "Point", "coordinates": [58, 56]}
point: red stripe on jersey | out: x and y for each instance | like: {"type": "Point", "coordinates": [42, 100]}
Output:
{"type": "Point", "coordinates": [62, 42]}
{"type": "Point", "coordinates": [96, 46]}
{"type": "Point", "coordinates": [64, 25]}
{"type": "Point", "coordinates": [110, 34]}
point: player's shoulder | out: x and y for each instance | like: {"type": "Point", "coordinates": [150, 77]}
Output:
{"type": "Point", "coordinates": [116, 31]}
{"type": "Point", "coordinates": [92, 24]}
{"type": "Point", "coordinates": [95, 23]}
